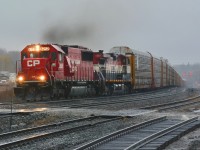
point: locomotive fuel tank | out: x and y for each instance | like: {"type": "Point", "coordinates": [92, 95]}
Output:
{"type": "Point", "coordinates": [77, 91]}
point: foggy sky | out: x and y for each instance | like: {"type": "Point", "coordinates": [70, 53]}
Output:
{"type": "Point", "coordinates": [166, 28]}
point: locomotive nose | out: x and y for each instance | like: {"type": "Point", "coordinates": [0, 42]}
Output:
{"type": "Point", "coordinates": [36, 69]}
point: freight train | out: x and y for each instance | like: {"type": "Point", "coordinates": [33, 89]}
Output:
{"type": "Point", "coordinates": [54, 71]}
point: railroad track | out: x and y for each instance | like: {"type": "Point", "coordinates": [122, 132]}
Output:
{"type": "Point", "coordinates": [153, 134]}
{"type": "Point", "coordinates": [26, 136]}
{"type": "Point", "coordinates": [115, 100]}
{"type": "Point", "coordinates": [171, 105]}
{"type": "Point", "coordinates": [3, 115]}
{"type": "Point", "coordinates": [163, 91]}
{"type": "Point", "coordinates": [100, 101]}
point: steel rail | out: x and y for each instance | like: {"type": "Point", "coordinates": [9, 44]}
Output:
{"type": "Point", "coordinates": [47, 126]}
{"type": "Point", "coordinates": [155, 132]}
{"type": "Point", "coordinates": [179, 105]}
{"type": "Point", "coordinates": [170, 103]}
{"type": "Point", "coordinates": [119, 133]}
{"type": "Point", "coordinates": [152, 137]}
{"type": "Point", "coordinates": [52, 133]}
{"type": "Point", "coordinates": [119, 100]}
{"type": "Point", "coordinates": [101, 97]}
{"type": "Point", "coordinates": [2, 115]}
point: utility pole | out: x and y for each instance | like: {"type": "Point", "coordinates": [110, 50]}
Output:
{"type": "Point", "coordinates": [11, 111]}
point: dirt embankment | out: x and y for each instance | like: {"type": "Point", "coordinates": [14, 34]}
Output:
{"type": "Point", "coordinates": [6, 93]}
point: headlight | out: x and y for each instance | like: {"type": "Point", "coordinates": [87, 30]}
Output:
{"type": "Point", "coordinates": [42, 78]}
{"type": "Point", "coordinates": [20, 78]}
{"type": "Point", "coordinates": [37, 48]}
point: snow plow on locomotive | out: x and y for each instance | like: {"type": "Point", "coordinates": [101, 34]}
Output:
{"type": "Point", "coordinates": [51, 70]}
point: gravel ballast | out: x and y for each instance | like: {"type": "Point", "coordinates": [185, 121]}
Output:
{"type": "Point", "coordinates": [74, 139]}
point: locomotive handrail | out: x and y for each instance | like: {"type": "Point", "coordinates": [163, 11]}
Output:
{"type": "Point", "coordinates": [17, 67]}
{"type": "Point", "coordinates": [49, 75]}
{"type": "Point", "coordinates": [101, 76]}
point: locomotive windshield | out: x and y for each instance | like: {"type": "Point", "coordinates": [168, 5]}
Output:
{"type": "Point", "coordinates": [34, 55]}
{"type": "Point", "coordinates": [43, 54]}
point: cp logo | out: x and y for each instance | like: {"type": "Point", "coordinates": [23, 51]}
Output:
{"type": "Point", "coordinates": [31, 63]}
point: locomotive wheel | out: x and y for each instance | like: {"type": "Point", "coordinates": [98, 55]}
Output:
{"type": "Point", "coordinates": [56, 94]}
{"type": "Point", "coordinates": [110, 90]}
{"type": "Point", "coordinates": [98, 90]}
{"type": "Point", "coordinates": [128, 89]}
{"type": "Point", "coordinates": [51, 94]}
{"type": "Point", "coordinates": [67, 91]}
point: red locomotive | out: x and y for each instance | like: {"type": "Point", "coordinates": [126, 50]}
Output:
{"type": "Point", "coordinates": [51, 70]}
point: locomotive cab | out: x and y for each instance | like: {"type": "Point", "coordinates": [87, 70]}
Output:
{"type": "Point", "coordinates": [35, 63]}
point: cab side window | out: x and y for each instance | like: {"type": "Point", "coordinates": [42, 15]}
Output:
{"type": "Point", "coordinates": [60, 57]}
{"type": "Point", "coordinates": [53, 56]}
{"type": "Point", "coordinates": [24, 55]}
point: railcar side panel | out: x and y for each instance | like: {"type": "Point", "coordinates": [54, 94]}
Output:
{"type": "Point", "coordinates": [143, 76]}
{"type": "Point", "coordinates": [157, 72]}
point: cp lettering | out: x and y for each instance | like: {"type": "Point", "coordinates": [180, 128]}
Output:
{"type": "Point", "coordinates": [31, 63]}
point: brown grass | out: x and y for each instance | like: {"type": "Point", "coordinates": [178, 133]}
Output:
{"type": "Point", "coordinates": [44, 121]}
{"type": "Point", "coordinates": [6, 93]}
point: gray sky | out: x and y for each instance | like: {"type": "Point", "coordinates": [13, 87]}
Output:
{"type": "Point", "coordinates": [166, 28]}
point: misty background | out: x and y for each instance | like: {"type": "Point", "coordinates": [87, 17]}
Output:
{"type": "Point", "coordinates": [167, 28]}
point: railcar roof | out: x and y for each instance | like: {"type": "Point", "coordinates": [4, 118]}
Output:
{"type": "Point", "coordinates": [125, 49]}
{"type": "Point", "coordinates": [57, 48]}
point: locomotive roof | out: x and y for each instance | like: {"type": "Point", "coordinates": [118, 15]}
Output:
{"type": "Point", "coordinates": [124, 49]}
{"type": "Point", "coordinates": [80, 47]}
{"type": "Point", "coordinates": [44, 45]}
{"type": "Point", "coordinates": [57, 48]}
{"type": "Point", "coordinates": [74, 46]}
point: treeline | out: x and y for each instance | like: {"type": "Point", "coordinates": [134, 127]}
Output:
{"type": "Point", "coordinates": [8, 60]}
